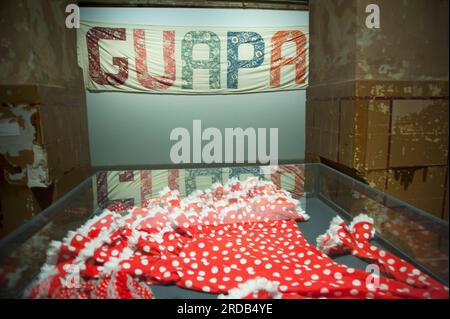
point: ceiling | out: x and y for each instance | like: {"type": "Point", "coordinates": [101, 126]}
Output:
{"type": "Point", "coordinates": [249, 4]}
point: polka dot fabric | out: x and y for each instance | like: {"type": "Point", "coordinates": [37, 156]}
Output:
{"type": "Point", "coordinates": [218, 258]}
{"type": "Point", "coordinates": [355, 239]}
{"type": "Point", "coordinates": [240, 240]}
{"type": "Point", "coordinates": [119, 249]}
{"type": "Point", "coordinates": [221, 258]}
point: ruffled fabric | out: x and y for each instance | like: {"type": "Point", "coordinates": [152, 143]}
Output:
{"type": "Point", "coordinates": [121, 249]}
{"type": "Point", "coordinates": [258, 288]}
{"type": "Point", "coordinates": [355, 239]}
{"type": "Point", "coordinates": [240, 240]}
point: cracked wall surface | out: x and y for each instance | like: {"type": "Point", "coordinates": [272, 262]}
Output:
{"type": "Point", "coordinates": [378, 98]}
{"type": "Point", "coordinates": [411, 44]}
{"type": "Point", "coordinates": [44, 147]}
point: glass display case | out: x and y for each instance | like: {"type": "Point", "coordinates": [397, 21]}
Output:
{"type": "Point", "coordinates": [323, 193]}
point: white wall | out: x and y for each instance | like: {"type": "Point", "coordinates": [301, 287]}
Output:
{"type": "Point", "coordinates": [127, 129]}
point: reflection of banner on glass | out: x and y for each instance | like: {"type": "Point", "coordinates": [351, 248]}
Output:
{"type": "Point", "coordinates": [192, 60]}
{"type": "Point", "coordinates": [134, 187]}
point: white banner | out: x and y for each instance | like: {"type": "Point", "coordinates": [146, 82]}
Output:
{"type": "Point", "coordinates": [192, 60]}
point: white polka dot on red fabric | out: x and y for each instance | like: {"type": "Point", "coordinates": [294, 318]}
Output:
{"type": "Point", "coordinates": [324, 291]}
{"type": "Point", "coordinates": [384, 287]}
{"type": "Point", "coordinates": [206, 289]}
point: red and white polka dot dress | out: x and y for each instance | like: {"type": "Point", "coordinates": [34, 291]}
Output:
{"type": "Point", "coordinates": [240, 240]}
{"type": "Point", "coordinates": [406, 280]}
{"type": "Point", "coordinates": [220, 258]}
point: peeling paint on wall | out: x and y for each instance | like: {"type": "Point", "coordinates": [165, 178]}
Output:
{"type": "Point", "coordinates": [9, 127]}
{"type": "Point", "coordinates": [403, 68]}
{"type": "Point", "coordinates": [28, 160]}
{"type": "Point", "coordinates": [415, 50]}
{"type": "Point", "coordinates": [37, 173]}
{"type": "Point", "coordinates": [21, 115]}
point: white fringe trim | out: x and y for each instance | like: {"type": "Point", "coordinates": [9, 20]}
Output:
{"type": "Point", "coordinates": [362, 218]}
{"type": "Point", "coordinates": [303, 213]}
{"type": "Point", "coordinates": [53, 252]}
{"type": "Point", "coordinates": [47, 271]}
{"type": "Point", "coordinates": [253, 286]}
{"type": "Point", "coordinates": [90, 247]}
{"type": "Point", "coordinates": [164, 191]}
{"type": "Point", "coordinates": [86, 227]}
{"type": "Point", "coordinates": [330, 239]}
{"type": "Point", "coordinates": [113, 264]}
